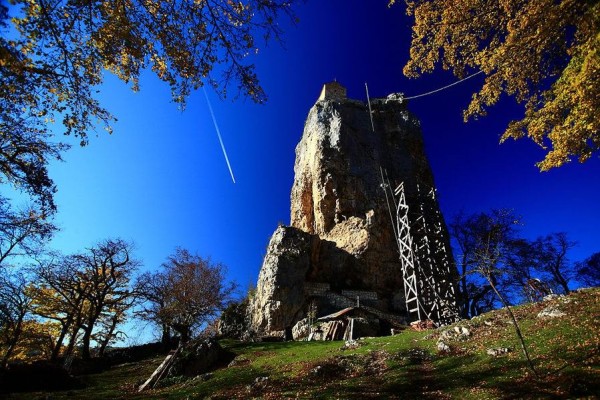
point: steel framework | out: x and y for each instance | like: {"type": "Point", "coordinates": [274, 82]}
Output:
{"type": "Point", "coordinates": [429, 289]}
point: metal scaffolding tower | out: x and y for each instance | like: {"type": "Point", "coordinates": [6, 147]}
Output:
{"type": "Point", "coordinates": [407, 259]}
{"type": "Point", "coordinates": [435, 265]}
{"type": "Point", "coordinates": [426, 265]}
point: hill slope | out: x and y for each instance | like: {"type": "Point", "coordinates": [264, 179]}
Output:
{"type": "Point", "coordinates": [565, 350]}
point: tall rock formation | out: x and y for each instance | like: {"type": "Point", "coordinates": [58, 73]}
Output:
{"type": "Point", "coordinates": [341, 243]}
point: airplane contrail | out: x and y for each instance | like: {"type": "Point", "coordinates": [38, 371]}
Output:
{"type": "Point", "coordinates": [218, 134]}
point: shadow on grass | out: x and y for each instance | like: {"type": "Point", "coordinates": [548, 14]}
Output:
{"type": "Point", "coordinates": [231, 383]}
{"type": "Point", "coordinates": [505, 378]}
{"type": "Point", "coordinates": [236, 346]}
{"type": "Point", "coordinates": [456, 376]}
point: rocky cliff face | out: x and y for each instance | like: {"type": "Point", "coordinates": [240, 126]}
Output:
{"type": "Point", "coordinates": [341, 238]}
{"type": "Point", "coordinates": [337, 192]}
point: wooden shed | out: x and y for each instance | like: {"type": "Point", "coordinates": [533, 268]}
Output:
{"type": "Point", "coordinates": [347, 324]}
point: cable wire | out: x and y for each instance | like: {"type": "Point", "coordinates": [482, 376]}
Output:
{"type": "Point", "coordinates": [443, 88]}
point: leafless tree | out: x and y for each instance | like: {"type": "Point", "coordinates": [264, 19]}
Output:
{"type": "Point", "coordinates": [490, 254]}
{"type": "Point", "coordinates": [552, 251]}
{"type": "Point", "coordinates": [471, 235]}
{"type": "Point", "coordinates": [588, 270]}
{"type": "Point", "coordinates": [15, 304]}
{"type": "Point", "coordinates": [23, 233]}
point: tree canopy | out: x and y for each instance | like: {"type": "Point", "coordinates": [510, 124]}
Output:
{"type": "Point", "coordinates": [189, 292]}
{"type": "Point", "coordinates": [544, 53]}
{"type": "Point", "coordinates": [53, 56]}
{"type": "Point", "coordinates": [87, 292]}
{"type": "Point", "coordinates": [588, 270]}
{"type": "Point", "coordinates": [484, 243]}
{"type": "Point", "coordinates": [22, 232]}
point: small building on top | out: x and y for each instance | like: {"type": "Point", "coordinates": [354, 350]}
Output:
{"type": "Point", "coordinates": [333, 91]}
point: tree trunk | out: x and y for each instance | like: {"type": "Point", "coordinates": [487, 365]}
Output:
{"type": "Point", "coordinates": [109, 336]}
{"type": "Point", "coordinates": [562, 282]}
{"type": "Point", "coordinates": [61, 337]}
{"type": "Point", "coordinates": [185, 336]}
{"type": "Point", "coordinates": [184, 333]}
{"type": "Point", "coordinates": [12, 343]}
{"type": "Point", "coordinates": [87, 331]}
{"type": "Point", "coordinates": [166, 336]}
{"type": "Point", "coordinates": [72, 341]}
{"type": "Point", "coordinates": [85, 342]}
{"type": "Point", "coordinates": [77, 324]}
{"type": "Point", "coordinates": [516, 325]}
{"type": "Point", "coordinates": [465, 291]}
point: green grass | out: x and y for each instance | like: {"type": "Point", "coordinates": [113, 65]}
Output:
{"type": "Point", "coordinates": [565, 352]}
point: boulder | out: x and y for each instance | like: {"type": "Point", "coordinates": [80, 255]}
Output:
{"type": "Point", "coordinates": [551, 312]}
{"type": "Point", "coordinates": [301, 330]}
{"type": "Point", "coordinates": [196, 358]}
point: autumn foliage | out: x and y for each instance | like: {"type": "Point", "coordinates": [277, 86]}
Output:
{"type": "Point", "coordinates": [188, 293]}
{"type": "Point", "coordinates": [544, 53]}
{"type": "Point", "coordinates": [54, 56]}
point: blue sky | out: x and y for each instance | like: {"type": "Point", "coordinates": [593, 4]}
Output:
{"type": "Point", "coordinates": [160, 180]}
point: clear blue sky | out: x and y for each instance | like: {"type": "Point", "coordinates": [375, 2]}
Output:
{"type": "Point", "coordinates": [161, 180]}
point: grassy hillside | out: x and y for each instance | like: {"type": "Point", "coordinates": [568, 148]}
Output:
{"type": "Point", "coordinates": [565, 351]}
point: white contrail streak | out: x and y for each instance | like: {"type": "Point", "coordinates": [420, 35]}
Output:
{"type": "Point", "coordinates": [218, 134]}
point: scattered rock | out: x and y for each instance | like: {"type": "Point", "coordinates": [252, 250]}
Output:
{"type": "Point", "coordinates": [419, 354]}
{"type": "Point", "coordinates": [260, 383]}
{"type": "Point", "coordinates": [238, 361]}
{"type": "Point", "coordinates": [458, 333]}
{"type": "Point", "coordinates": [350, 345]}
{"type": "Point", "coordinates": [551, 312]}
{"type": "Point", "coordinates": [443, 347]}
{"type": "Point", "coordinates": [332, 368]}
{"type": "Point", "coordinates": [204, 377]}
{"type": "Point", "coordinates": [488, 323]}
{"type": "Point", "coordinates": [462, 331]}
{"type": "Point", "coordinates": [422, 325]}
{"type": "Point", "coordinates": [551, 297]}
{"type": "Point", "coordinates": [495, 352]}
